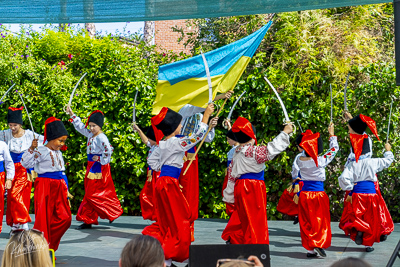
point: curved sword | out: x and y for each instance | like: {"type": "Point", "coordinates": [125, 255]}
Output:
{"type": "Point", "coordinates": [234, 104]}
{"type": "Point", "coordinates": [390, 115]}
{"type": "Point", "coordinates": [345, 92]}
{"type": "Point", "coordinates": [210, 93]}
{"type": "Point", "coordinates": [1, 100]}
{"type": "Point", "coordinates": [134, 108]}
{"type": "Point", "coordinates": [280, 100]}
{"type": "Point", "coordinates": [73, 91]}
{"type": "Point", "coordinates": [29, 117]}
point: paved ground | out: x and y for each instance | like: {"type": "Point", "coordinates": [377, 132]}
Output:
{"type": "Point", "coordinates": [102, 245]}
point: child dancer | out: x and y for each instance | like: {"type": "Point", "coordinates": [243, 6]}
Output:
{"type": "Point", "coordinates": [172, 208]}
{"type": "Point", "coordinates": [359, 177]}
{"type": "Point", "coordinates": [18, 141]}
{"type": "Point", "coordinates": [100, 199]}
{"type": "Point", "coordinates": [246, 187]}
{"type": "Point", "coordinates": [314, 213]}
{"type": "Point", "coordinates": [52, 212]}
{"type": "Point", "coordinates": [147, 193]}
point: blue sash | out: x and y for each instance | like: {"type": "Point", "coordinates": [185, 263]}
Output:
{"type": "Point", "coordinates": [253, 176]}
{"type": "Point", "coordinates": [364, 187]}
{"type": "Point", "coordinates": [96, 167]}
{"type": "Point", "coordinates": [315, 186]}
{"type": "Point", "coordinates": [1, 166]}
{"type": "Point", "coordinates": [229, 162]}
{"type": "Point", "coordinates": [54, 175]}
{"type": "Point", "coordinates": [170, 171]}
{"type": "Point", "coordinates": [16, 157]}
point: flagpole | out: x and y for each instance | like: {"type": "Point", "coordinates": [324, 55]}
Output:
{"type": "Point", "coordinates": [202, 141]}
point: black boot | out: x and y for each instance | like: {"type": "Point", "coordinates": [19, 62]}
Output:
{"type": "Point", "coordinates": [321, 252]}
{"type": "Point", "coordinates": [383, 238]}
{"type": "Point", "coordinates": [311, 255]}
{"type": "Point", "coordinates": [359, 238]}
{"type": "Point", "coordinates": [296, 220]}
{"type": "Point", "coordinates": [84, 226]}
{"type": "Point", "coordinates": [369, 249]}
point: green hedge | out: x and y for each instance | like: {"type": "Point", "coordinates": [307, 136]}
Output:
{"type": "Point", "coordinates": [301, 74]}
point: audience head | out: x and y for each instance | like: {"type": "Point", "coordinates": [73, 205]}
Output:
{"type": "Point", "coordinates": [142, 251]}
{"type": "Point", "coordinates": [27, 248]}
{"type": "Point", "coordinates": [351, 262]}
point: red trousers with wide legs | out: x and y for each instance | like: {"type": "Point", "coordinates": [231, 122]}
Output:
{"type": "Point", "coordinates": [19, 198]}
{"type": "Point", "coordinates": [146, 197]}
{"type": "Point", "coordinates": [52, 212]}
{"type": "Point", "coordinates": [100, 198]}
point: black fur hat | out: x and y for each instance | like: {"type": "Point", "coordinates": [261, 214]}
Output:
{"type": "Point", "coordinates": [96, 117]}
{"type": "Point", "coordinates": [53, 129]}
{"type": "Point", "coordinates": [358, 125]}
{"type": "Point", "coordinates": [231, 135]}
{"type": "Point", "coordinates": [150, 134]}
{"type": "Point", "coordinates": [14, 115]}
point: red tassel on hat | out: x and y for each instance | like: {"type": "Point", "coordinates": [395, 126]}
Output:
{"type": "Point", "coordinates": [309, 143]}
{"type": "Point", "coordinates": [371, 124]}
{"type": "Point", "coordinates": [49, 120]}
{"type": "Point", "coordinates": [155, 121]}
{"type": "Point", "coordinates": [14, 109]}
{"type": "Point", "coordinates": [243, 125]}
{"type": "Point", "coordinates": [87, 122]}
{"type": "Point", "coordinates": [357, 141]}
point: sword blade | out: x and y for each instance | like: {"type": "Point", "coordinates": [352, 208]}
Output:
{"type": "Point", "coordinates": [345, 92]}
{"type": "Point", "coordinates": [27, 112]}
{"type": "Point", "coordinates": [1, 100]}
{"type": "Point", "coordinates": [234, 104]}
{"type": "Point", "coordinates": [390, 115]}
{"type": "Point", "coordinates": [134, 107]}
{"type": "Point", "coordinates": [280, 100]}
{"type": "Point", "coordinates": [331, 103]}
{"type": "Point", "coordinates": [301, 129]}
{"type": "Point", "coordinates": [208, 78]}
{"type": "Point", "coordinates": [73, 91]}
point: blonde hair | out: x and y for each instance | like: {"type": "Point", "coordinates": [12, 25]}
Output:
{"type": "Point", "coordinates": [142, 251]}
{"type": "Point", "coordinates": [27, 248]}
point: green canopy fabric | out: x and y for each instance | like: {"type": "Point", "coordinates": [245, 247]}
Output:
{"type": "Point", "coordinates": [80, 11]}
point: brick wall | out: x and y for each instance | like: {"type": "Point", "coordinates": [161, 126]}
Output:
{"type": "Point", "coordinates": [166, 39]}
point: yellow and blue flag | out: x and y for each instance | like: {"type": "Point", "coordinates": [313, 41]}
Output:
{"type": "Point", "coordinates": [185, 82]}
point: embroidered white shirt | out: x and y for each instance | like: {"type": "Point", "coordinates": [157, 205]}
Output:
{"type": "Point", "coordinates": [307, 168]}
{"type": "Point", "coordinates": [172, 151]}
{"type": "Point", "coordinates": [8, 162]}
{"type": "Point", "coordinates": [187, 112]}
{"type": "Point", "coordinates": [251, 159]}
{"type": "Point", "coordinates": [364, 170]}
{"type": "Point", "coordinates": [21, 144]}
{"type": "Point", "coordinates": [95, 145]}
{"type": "Point", "coordinates": [43, 160]}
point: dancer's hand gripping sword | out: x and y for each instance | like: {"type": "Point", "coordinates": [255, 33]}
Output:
{"type": "Point", "coordinates": [72, 94]}
{"type": "Point", "coordinates": [287, 121]}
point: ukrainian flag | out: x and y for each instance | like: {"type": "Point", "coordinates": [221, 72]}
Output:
{"type": "Point", "coordinates": [185, 82]}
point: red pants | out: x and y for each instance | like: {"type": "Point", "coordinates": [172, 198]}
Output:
{"type": "Point", "coordinates": [387, 225]}
{"type": "Point", "coordinates": [286, 204]}
{"type": "Point", "coordinates": [173, 219]}
{"type": "Point", "coordinates": [314, 220]}
{"type": "Point", "coordinates": [2, 184]}
{"type": "Point", "coordinates": [100, 199]}
{"type": "Point", "coordinates": [190, 189]}
{"type": "Point", "coordinates": [251, 206]}
{"type": "Point", "coordinates": [52, 212]}
{"type": "Point", "coordinates": [366, 218]}
{"type": "Point", "coordinates": [233, 231]}
{"type": "Point", "coordinates": [19, 198]}
{"type": "Point", "coordinates": [347, 215]}
{"type": "Point", "coordinates": [147, 196]}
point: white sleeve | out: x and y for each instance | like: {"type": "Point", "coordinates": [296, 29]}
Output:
{"type": "Point", "coordinates": [106, 150]}
{"type": "Point", "coordinates": [329, 155]}
{"type": "Point", "coordinates": [295, 167]}
{"type": "Point", "coordinates": [8, 162]}
{"type": "Point", "coordinates": [346, 180]}
{"type": "Point", "coordinates": [279, 144]}
{"type": "Point", "coordinates": [187, 142]}
{"type": "Point", "coordinates": [3, 136]}
{"type": "Point", "coordinates": [189, 110]}
{"type": "Point", "coordinates": [80, 127]}
{"type": "Point", "coordinates": [154, 160]}
{"type": "Point", "coordinates": [30, 158]}
{"type": "Point", "coordinates": [210, 136]}
{"type": "Point", "coordinates": [383, 163]}
{"type": "Point", "coordinates": [229, 191]}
